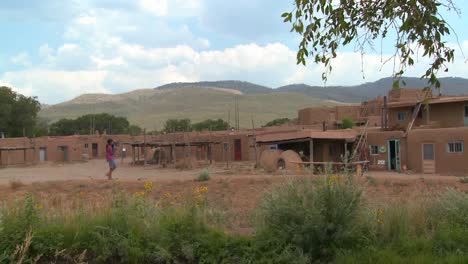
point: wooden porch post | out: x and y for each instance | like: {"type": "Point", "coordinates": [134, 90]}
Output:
{"type": "Point", "coordinates": [210, 155]}
{"type": "Point", "coordinates": [311, 155]}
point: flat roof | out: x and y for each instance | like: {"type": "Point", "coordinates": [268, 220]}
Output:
{"type": "Point", "coordinates": [349, 135]}
{"type": "Point", "coordinates": [434, 100]}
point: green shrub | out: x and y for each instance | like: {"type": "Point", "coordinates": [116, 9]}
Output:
{"type": "Point", "coordinates": [203, 176]}
{"type": "Point", "coordinates": [317, 219]}
{"type": "Point", "coordinates": [347, 123]}
{"type": "Point", "coordinates": [464, 180]}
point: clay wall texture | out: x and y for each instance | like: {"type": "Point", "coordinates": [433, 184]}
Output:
{"type": "Point", "coordinates": [446, 163]}
{"type": "Point", "coordinates": [380, 139]}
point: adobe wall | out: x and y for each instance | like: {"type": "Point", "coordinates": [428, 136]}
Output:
{"type": "Point", "coordinates": [316, 115]}
{"type": "Point", "coordinates": [446, 163]}
{"type": "Point", "coordinates": [442, 115]}
{"type": "Point", "coordinates": [405, 94]}
{"type": "Point", "coordinates": [447, 115]}
{"type": "Point", "coordinates": [380, 138]}
{"type": "Point", "coordinates": [347, 111]}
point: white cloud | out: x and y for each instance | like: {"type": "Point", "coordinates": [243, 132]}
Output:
{"type": "Point", "coordinates": [155, 7]}
{"type": "Point", "coordinates": [21, 59]}
{"type": "Point", "coordinates": [86, 20]}
{"type": "Point", "coordinates": [53, 86]}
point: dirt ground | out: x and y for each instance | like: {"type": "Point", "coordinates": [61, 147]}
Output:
{"type": "Point", "coordinates": [234, 192]}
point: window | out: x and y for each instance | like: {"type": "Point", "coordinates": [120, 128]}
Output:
{"type": "Point", "coordinates": [455, 147]}
{"type": "Point", "coordinates": [374, 149]}
{"type": "Point", "coordinates": [466, 110]}
{"type": "Point", "coordinates": [86, 145]}
{"type": "Point", "coordinates": [401, 116]}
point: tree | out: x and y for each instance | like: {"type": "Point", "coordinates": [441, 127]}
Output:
{"type": "Point", "coordinates": [83, 125]}
{"type": "Point", "coordinates": [134, 130]}
{"type": "Point", "coordinates": [347, 123]}
{"type": "Point", "coordinates": [326, 25]}
{"type": "Point", "coordinates": [277, 122]}
{"type": "Point", "coordinates": [209, 124]}
{"type": "Point", "coordinates": [18, 113]}
{"type": "Point", "coordinates": [177, 125]}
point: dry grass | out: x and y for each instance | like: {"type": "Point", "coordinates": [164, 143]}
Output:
{"type": "Point", "coordinates": [16, 184]}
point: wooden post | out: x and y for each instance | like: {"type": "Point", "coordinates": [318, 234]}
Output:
{"type": "Point", "coordinates": [133, 155]}
{"type": "Point", "coordinates": [346, 155]}
{"type": "Point", "coordinates": [144, 147]}
{"type": "Point", "coordinates": [311, 155]}
{"type": "Point", "coordinates": [24, 155]}
{"type": "Point", "coordinates": [359, 169]}
{"type": "Point", "coordinates": [210, 155]}
{"type": "Point", "coordinates": [1, 162]}
{"type": "Point", "coordinates": [255, 143]}
{"type": "Point", "coordinates": [428, 117]}
{"type": "Point", "coordinates": [138, 152]}
{"type": "Point", "coordinates": [173, 151]}
{"type": "Point", "coordinates": [8, 158]}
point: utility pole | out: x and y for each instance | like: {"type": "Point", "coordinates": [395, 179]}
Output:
{"type": "Point", "coordinates": [255, 143]}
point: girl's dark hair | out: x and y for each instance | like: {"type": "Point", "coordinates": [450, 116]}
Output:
{"type": "Point", "coordinates": [109, 141]}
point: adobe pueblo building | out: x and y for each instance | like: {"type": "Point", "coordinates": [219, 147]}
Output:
{"type": "Point", "coordinates": [408, 130]}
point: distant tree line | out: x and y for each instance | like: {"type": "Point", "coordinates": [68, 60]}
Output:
{"type": "Point", "coordinates": [185, 125]}
{"type": "Point", "coordinates": [277, 122]}
{"type": "Point", "coordinates": [90, 123]}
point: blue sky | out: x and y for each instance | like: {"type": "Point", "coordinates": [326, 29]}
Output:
{"type": "Point", "coordinates": [58, 49]}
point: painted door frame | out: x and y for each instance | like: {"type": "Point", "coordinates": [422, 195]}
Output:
{"type": "Point", "coordinates": [397, 155]}
{"type": "Point", "coordinates": [433, 154]}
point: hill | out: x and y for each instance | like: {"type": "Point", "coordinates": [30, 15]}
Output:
{"type": "Point", "coordinates": [354, 94]}
{"type": "Point", "coordinates": [244, 87]}
{"type": "Point", "coordinates": [201, 100]}
{"type": "Point", "coordinates": [150, 108]}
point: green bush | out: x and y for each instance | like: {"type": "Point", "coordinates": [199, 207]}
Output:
{"type": "Point", "coordinates": [347, 123]}
{"type": "Point", "coordinates": [317, 219]}
{"type": "Point", "coordinates": [301, 221]}
{"type": "Point", "coordinates": [203, 176]}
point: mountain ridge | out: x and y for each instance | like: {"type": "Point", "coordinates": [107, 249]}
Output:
{"type": "Point", "coordinates": [151, 107]}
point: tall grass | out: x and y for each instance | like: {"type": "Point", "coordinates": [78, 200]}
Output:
{"type": "Point", "coordinates": [299, 221]}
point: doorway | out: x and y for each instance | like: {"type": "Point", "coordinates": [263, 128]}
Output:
{"type": "Point", "coordinates": [64, 150]}
{"type": "Point", "coordinates": [42, 154]}
{"type": "Point", "coordinates": [394, 163]}
{"type": "Point", "coordinates": [428, 158]}
{"type": "Point", "coordinates": [95, 148]}
{"type": "Point", "coordinates": [237, 150]}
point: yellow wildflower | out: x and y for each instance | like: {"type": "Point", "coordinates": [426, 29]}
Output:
{"type": "Point", "coordinates": [40, 206]}
{"type": "Point", "coordinates": [139, 194]}
{"type": "Point", "coordinates": [148, 186]}
{"type": "Point", "coordinates": [167, 195]}
{"type": "Point", "coordinates": [203, 189]}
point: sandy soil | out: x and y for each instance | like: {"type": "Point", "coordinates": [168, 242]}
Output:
{"type": "Point", "coordinates": [235, 193]}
